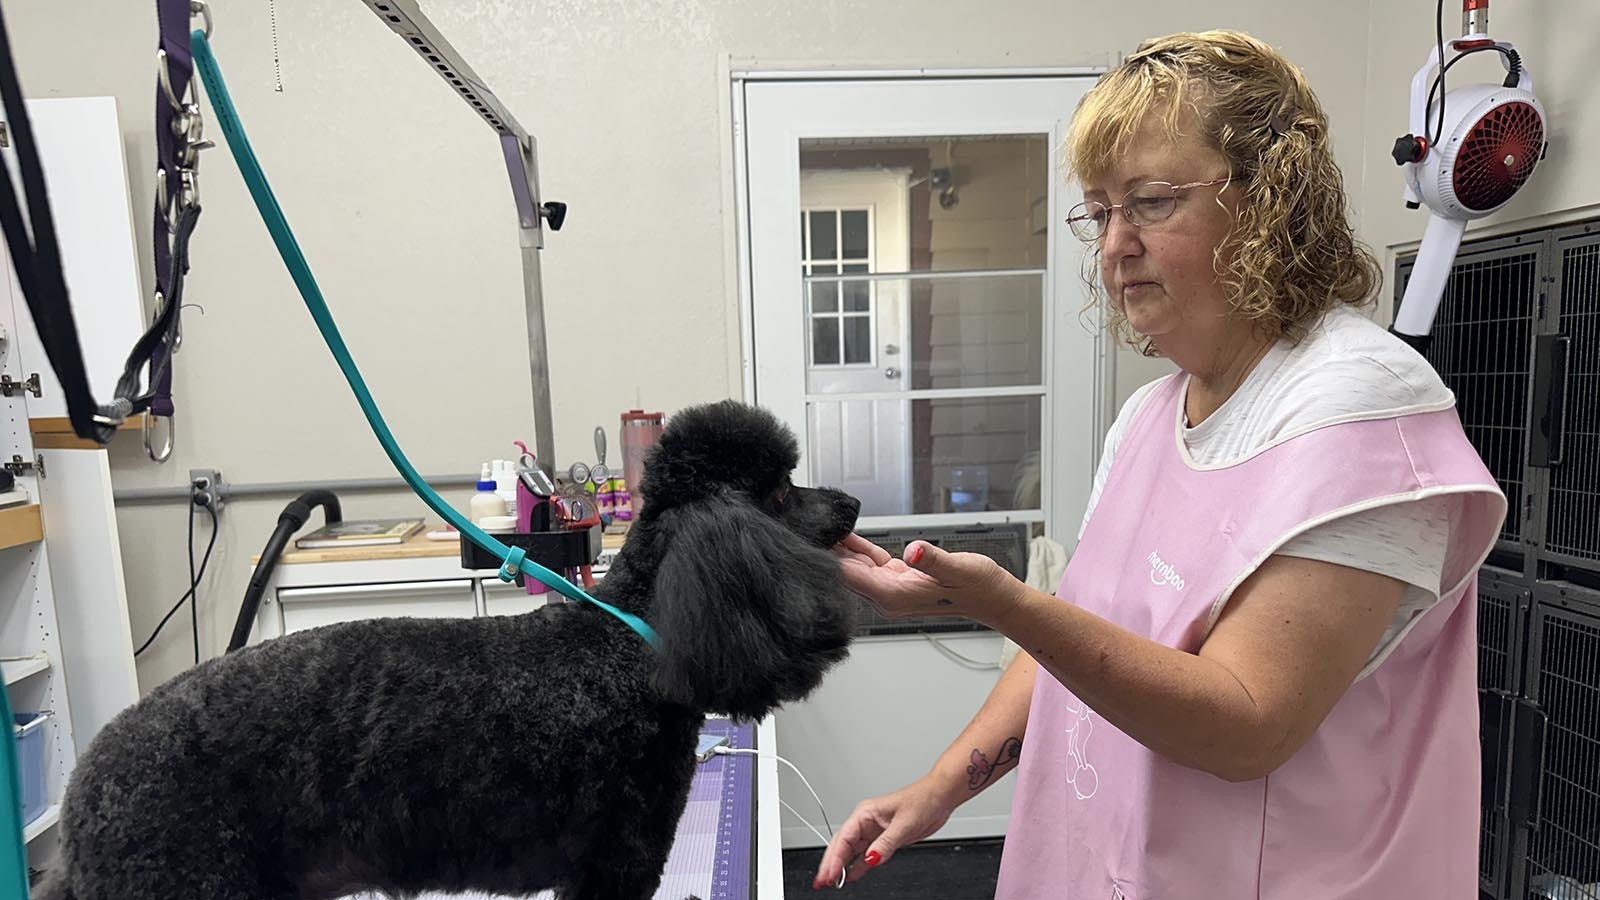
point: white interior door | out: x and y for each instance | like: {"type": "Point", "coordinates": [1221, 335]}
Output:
{"type": "Point", "coordinates": [938, 364]}
{"type": "Point", "coordinates": [854, 223]}
{"type": "Point", "coordinates": [996, 372]}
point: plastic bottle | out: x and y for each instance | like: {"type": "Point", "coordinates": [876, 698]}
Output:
{"type": "Point", "coordinates": [485, 503]}
{"type": "Point", "coordinates": [505, 484]}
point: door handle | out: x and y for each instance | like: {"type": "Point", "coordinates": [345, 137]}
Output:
{"type": "Point", "coordinates": [891, 372]}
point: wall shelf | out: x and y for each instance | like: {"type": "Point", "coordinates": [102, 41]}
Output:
{"type": "Point", "coordinates": [18, 668]}
{"type": "Point", "coordinates": [20, 525]}
{"type": "Point", "coordinates": [45, 822]}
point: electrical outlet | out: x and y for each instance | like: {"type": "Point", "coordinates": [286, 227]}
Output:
{"type": "Point", "coordinates": [205, 488]}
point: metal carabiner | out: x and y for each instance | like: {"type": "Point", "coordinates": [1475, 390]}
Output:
{"type": "Point", "coordinates": [163, 198]}
{"type": "Point", "coordinates": [189, 195]}
{"type": "Point", "coordinates": [199, 8]}
{"type": "Point", "coordinates": [166, 448]}
{"type": "Point", "coordinates": [164, 78]}
{"type": "Point", "coordinates": [188, 129]}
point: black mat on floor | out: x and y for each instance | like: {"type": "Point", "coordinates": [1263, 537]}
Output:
{"type": "Point", "coordinates": [964, 870]}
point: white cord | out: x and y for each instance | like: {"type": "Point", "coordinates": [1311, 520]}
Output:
{"type": "Point", "coordinates": [728, 751]}
{"type": "Point", "coordinates": [958, 658]}
{"type": "Point", "coordinates": [796, 812]}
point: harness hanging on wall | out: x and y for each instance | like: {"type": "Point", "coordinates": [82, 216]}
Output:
{"type": "Point", "coordinates": [1465, 157]}
{"type": "Point", "coordinates": [36, 253]}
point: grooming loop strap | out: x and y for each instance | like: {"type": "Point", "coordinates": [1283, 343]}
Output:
{"type": "Point", "coordinates": [513, 565]}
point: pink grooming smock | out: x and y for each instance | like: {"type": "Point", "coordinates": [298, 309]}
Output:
{"type": "Point", "coordinates": [1382, 801]}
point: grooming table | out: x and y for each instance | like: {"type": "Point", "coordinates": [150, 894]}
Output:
{"type": "Point", "coordinates": [716, 854]}
{"type": "Point", "coordinates": [712, 852]}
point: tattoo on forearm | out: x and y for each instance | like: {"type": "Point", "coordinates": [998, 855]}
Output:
{"type": "Point", "coordinates": [982, 770]}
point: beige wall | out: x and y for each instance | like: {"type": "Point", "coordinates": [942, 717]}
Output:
{"type": "Point", "coordinates": [397, 193]}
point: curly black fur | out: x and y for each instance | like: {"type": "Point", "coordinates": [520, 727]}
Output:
{"type": "Point", "coordinates": [506, 755]}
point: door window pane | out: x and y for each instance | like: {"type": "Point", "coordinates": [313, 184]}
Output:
{"type": "Point", "coordinates": [967, 202]}
{"type": "Point", "coordinates": [825, 340]}
{"type": "Point", "coordinates": [903, 457]}
{"type": "Point", "coordinates": [824, 296]}
{"type": "Point", "coordinates": [857, 296]}
{"type": "Point", "coordinates": [857, 340]}
{"type": "Point", "coordinates": [940, 332]}
{"type": "Point", "coordinates": [840, 337]}
{"type": "Point", "coordinates": [855, 233]}
{"type": "Point", "coordinates": [824, 235]}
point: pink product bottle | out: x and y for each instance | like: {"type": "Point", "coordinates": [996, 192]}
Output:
{"type": "Point", "coordinates": [640, 431]}
{"type": "Point", "coordinates": [622, 506]}
{"type": "Point", "coordinates": [530, 507]}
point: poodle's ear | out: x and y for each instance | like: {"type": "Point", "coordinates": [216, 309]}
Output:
{"type": "Point", "coordinates": [749, 614]}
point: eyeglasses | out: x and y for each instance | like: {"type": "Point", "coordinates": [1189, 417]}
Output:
{"type": "Point", "coordinates": [1146, 204]}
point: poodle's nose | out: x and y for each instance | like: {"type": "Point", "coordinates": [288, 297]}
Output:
{"type": "Point", "coordinates": [851, 506]}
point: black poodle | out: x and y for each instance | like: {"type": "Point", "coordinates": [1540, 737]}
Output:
{"type": "Point", "coordinates": [507, 755]}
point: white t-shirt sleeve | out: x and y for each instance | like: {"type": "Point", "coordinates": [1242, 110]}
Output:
{"type": "Point", "coordinates": [1405, 541]}
{"type": "Point", "coordinates": [1114, 436]}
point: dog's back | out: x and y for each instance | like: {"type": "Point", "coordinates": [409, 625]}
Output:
{"type": "Point", "coordinates": [379, 754]}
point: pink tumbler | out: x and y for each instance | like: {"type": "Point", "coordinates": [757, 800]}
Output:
{"type": "Point", "coordinates": [640, 431]}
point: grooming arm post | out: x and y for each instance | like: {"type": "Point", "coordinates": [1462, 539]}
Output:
{"type": "Point", "coordinates": [405, 18]}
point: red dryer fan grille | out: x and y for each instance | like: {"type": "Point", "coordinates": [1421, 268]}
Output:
{"type": "Point", "coordinates": [1497, 155]}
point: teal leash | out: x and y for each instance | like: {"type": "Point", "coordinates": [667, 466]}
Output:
{"type": "Point", "coordinates": [514, 559]}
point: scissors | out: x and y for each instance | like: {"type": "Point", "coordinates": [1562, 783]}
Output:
{"type": "Point", "coordinates": [597, 474]}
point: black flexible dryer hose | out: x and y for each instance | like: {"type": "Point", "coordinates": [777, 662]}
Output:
{"type": "Point", "coordinates": [291, 520]}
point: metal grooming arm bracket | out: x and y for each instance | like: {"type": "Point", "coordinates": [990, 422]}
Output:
{"type": "Point", "coordinates": [407, 20]}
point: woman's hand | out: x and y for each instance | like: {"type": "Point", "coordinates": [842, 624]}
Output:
{"type": "Point", "coordinates": [927, 581]}
{"type": "Point", "coordinates": [879, 827]}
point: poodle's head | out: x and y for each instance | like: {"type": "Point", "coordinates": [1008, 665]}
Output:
{"type": "Point", "coordinates": [747, 595]}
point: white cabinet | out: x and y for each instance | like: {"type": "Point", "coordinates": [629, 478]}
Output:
{"type": "Point", "coordinates": [502, 599]}
{"type": "Point", "coordinates": [80, 149]}
{"type": "Point", "coordinates": [422, 579]}
{"type": "Point", "coordinates": [65, 643]}
{"type": "Point", "coordinates": [309, 607]}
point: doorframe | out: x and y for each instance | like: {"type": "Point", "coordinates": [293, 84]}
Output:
{"type": "Point", "coordinates": [739, 274]}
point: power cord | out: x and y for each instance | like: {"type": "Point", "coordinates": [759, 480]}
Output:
{"type": "Point", "coordinates": [1513, 75]}
{"type": "Point", "coordinates": [194, 585]}
{"type": "Point", "coordinates": [960, 659]}
{"type": "Point", "coordinates": [1438, 82]}
{"type": "Point", "coordinates": [826, 840]}
{"type": "Point", "coordinates": [195, 578]}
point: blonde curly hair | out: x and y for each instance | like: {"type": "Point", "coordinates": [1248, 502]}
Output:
{"type": "Point", "coordinates": [1291, 254]}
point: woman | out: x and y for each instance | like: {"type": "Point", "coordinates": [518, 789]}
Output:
{"type": "Point", "coordinates": [1257, 678]}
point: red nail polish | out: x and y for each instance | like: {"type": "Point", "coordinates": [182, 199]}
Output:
{"type": "Point", "coordinates": [916, 555]}
{"type": "Point", "coordinates": [873, 857]}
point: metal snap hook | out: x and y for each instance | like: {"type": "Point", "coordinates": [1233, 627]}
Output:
{"type": "Point", "coordinates": [163, 198]}
{"type": "Point", "coordinates": [166, 448]}
{"type": "Point", "coordinates": [199, 8]}
{"type": "Point", "coordinates": [164, 78]}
